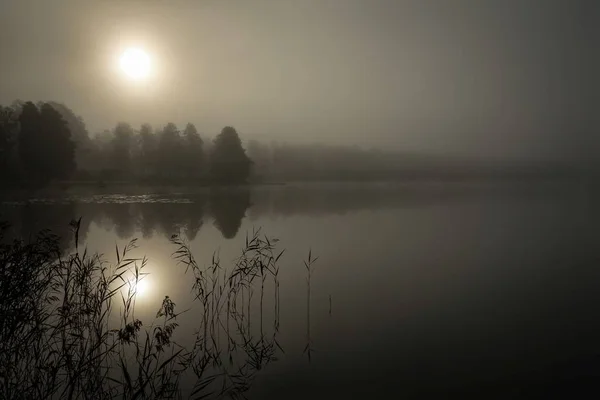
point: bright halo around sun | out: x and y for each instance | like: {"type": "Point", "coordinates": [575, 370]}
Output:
{"type": "Point", "coordinates": [141, 288]}
{"type": "Point", "coordinates": [135, 63]}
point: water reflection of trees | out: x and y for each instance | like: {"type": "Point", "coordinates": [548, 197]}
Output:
{"type": "Point", "coordinates": [149, 218]}
{"type": "Point", "coordinates": [26, 221]}
{"type": "Point", "coordinates": [171, 214]}
{"type": "Point", "coordinates": [228, 208]}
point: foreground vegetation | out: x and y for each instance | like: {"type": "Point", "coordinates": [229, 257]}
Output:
{"type": "Point", "coordinates": [69, 328]}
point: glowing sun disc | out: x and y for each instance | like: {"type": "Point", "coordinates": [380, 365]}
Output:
{"type": "Point", "coordinates": [135, 63]}
{"type": "Point", "coordinates": [140, 288]}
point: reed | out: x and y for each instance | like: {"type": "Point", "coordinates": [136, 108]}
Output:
{"type": "Point", "coordinates": [68, 327]}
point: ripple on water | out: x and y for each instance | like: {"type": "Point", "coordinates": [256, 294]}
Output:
{"type": "Point", "coordinates": [102, 199]}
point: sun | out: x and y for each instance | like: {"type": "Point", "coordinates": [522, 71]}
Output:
{"type": "Point", "coordinates": [135, 63]}
{"type": "Point", "coordinates": [140, 287]}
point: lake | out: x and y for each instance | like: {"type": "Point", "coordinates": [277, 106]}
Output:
{"type": "Point", "coordinates": [487, 288]}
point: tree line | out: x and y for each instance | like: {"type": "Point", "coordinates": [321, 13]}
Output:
{"type": "Point", "coordinates": [46, 142]}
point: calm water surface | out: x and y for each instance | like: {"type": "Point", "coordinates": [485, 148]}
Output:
{"type": "Point", "coordinates": [482, 288]}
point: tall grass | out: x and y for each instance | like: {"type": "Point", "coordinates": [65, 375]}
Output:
{"type": "Point", "coordinates": [68, 327]}
{"type": "Point", "coordinates": [309, 265]}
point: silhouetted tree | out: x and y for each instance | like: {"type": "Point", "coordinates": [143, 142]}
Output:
{"type": "Point", "coordinates": [228, 160]}
{"type": "Point", "coordinates": [9, 126]}
{"type": "Point", "coordinates": [194, 152]}
{"type": "Point", "coordinates": [45, 148]}
{"type": "Point", "coordinates": [79, 134]}
{"type": "Point", "coordinates": [58, 155]}
{"type": "Point", "coordinates": [30, 140]}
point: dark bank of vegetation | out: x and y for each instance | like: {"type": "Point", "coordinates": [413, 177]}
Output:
{"type": "Point", "coordinates": [69, 328]}
{"type": "Point", "coordinates": [45, 142]}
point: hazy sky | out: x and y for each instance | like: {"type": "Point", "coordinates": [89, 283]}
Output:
{"type": "Point", "coordinates": [503, 78]}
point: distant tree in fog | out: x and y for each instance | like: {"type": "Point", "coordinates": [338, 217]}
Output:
{"type": "Point", "coordinates": [193, 151]}
{"type": "Point", "coordinates": [148, 150]}
{"type": "Point", "coordinates": [17, 106]}
{"type": "Point", "coordinates": [171, 151]}
{"type": "Point", "coordinates": [228, 160]}
{"type": "Point", "coordinates": [122, 144]}
{"type": "Point", "coordinates": [261, 155]}
{"type": "Point", "coordinates": [100, 157]}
